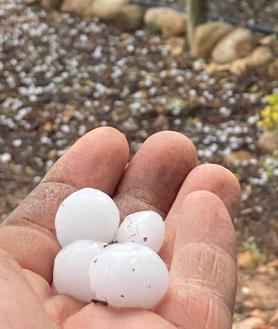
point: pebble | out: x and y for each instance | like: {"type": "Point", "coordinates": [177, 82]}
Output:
{"type": "Point", "coordinates": [250, 323]}
{"type": "Point", "coordinates": [259, 314]}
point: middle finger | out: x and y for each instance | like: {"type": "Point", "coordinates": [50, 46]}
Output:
{"type": "Point", "coordinates": [154, 176]}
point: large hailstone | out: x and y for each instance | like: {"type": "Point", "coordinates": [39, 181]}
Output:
{"type": "Point", "coordinates": [71, 267]}
{"type": "Point", "coordinates": [128, 275]}
{"type": "Point", "coordinates": [143, 227]}
{"type": "Point", "coordinates": [87, 214]}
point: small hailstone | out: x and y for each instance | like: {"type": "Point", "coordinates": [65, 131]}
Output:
{"type": "Point", "coordinates": [71, 266]}
{"type": "Point", "coordinates": [143, 227]}
{"type": "Point", "coordinates": [128, 275]}
{"type": "Point", "coordinates": [87, 214]}
{"type": "Point", "coordinates": [5, 157]}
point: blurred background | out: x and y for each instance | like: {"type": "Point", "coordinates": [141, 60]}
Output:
{"type": "Point", "coordinates": [208, 69]}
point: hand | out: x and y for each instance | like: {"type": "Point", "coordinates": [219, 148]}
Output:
{"type": "Point", "coordinates": [198, 203]}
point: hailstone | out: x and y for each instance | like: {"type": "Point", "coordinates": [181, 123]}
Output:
{"type": "Point", "coordinates": [87, 214]}
{"type": "Point", "coordinates": [143, 227]}
{"type": "Point", "coordinates": [71, 267]}
{"type": "Point", "coordinates": [128, 275]}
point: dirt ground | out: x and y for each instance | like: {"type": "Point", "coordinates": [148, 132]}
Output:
{"type": "Point", "coordinates": [61, 76]}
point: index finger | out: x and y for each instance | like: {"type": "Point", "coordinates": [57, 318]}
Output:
{"type": "Point", "coordinates": [97, 160]}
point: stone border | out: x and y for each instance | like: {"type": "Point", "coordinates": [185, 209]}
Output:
{"type": "Point", "coordinates": [228, 47]}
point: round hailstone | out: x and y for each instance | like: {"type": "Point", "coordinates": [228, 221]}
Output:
{"type": "Point", "coordinates": [87, 214]}
{"type": "Point", "coordinates": [143, 227]}
{"type": "Point", "coordinates": [128, 275]}
{"type": "Point", "coordinates": [71, 266]}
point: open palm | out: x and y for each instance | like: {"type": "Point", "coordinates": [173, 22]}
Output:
{"type": "Point", "coordinates": [198, 203]}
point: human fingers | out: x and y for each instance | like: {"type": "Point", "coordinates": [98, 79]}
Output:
{"type": "Point", "coordinates": [154, 176]}
{"type": "Point", "coordinates": [95, 316]}
{"type": "Point", "coordinates": [20, 307]}
{"type": "Point", "coordinates": [97, 160]}
{"type": "Point", "coordinates": [203, 272]}
{"type": "Point", "coordinates": [210, 177]}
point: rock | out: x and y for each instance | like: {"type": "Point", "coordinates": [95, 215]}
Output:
{"type": "Point", "coordinates": [206, 37]}
{"type": "Point", "coordinates": [236, 44]}
{"type": "Point", "coordinates": [107, 9]}
{"type": "Point", "coordinates": [49, 4]}
{"type": "Point", "coordinates": [68, 113]}
{"type": "Point", "coordinates": [48, 126]}
{"type": "Point", "coordinates": [166, 20]}
{"type": "Point", "coordinates": [175, 42]}
{"type": "Point", "coordinates": [251, 323]}
{"type": "Point", "coordinates": [161, 122]}
{"type": "Point", "coordinates": [119, 12]}
{"type": "Point", "coordinates": [263, 292]}
{"type": "Point", "coordinates": [80, 7]}
{"type": "Point", "coordinates": [177, 51]}
{"type": "Point", "coordinates": [260, 56]}
{"type": "Point", "coordinates": [177, 45]}
{"type": "Point", "coordinates": [273, 264]}
{"type": "Point", "coordinates": [236, 67]}
{"type": "Point", "coordinates": [268, 40]}
{"type": "Point", "coordinates": [257, 313]}
{"type": "Point", "coordinates": [274, 319]}
{"type": "Point", "coordinates": [275, 9]}
{"type": "Point", "coordinates": [245, 260]}
{"type": "Point", "coordinates": [212, 68]}
{"type": "Point", "coordinates": [268, 142]}
{"type": "Point", "coordinates": [238, 157]}
{"type": "Point", "coordinates": [29, 171]}
{"type": "Point", "coordinates": [239, 65]}
{"type": "Point", "coordinates": [273, 70]}
{"type": "Point", "coordinates": [104, 9]}
{"type": "Point", "coordinates": [129, 125]}
{"type": "Point", "coordinates": [129, 17]}
{"type": "Point", "coordinates": [119, 114]}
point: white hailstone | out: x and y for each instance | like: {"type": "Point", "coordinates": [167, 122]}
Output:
{"type": "Point", "coordinates": [128, 275]}
{"type": "Point", "coordinates": [5, 157]}
{"type": "Point", "coordinates": [143, 227]}
{"type": "Point", "coordinates": [71, 266]}
{"type": "Point", "coordinates": [87, 214]}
